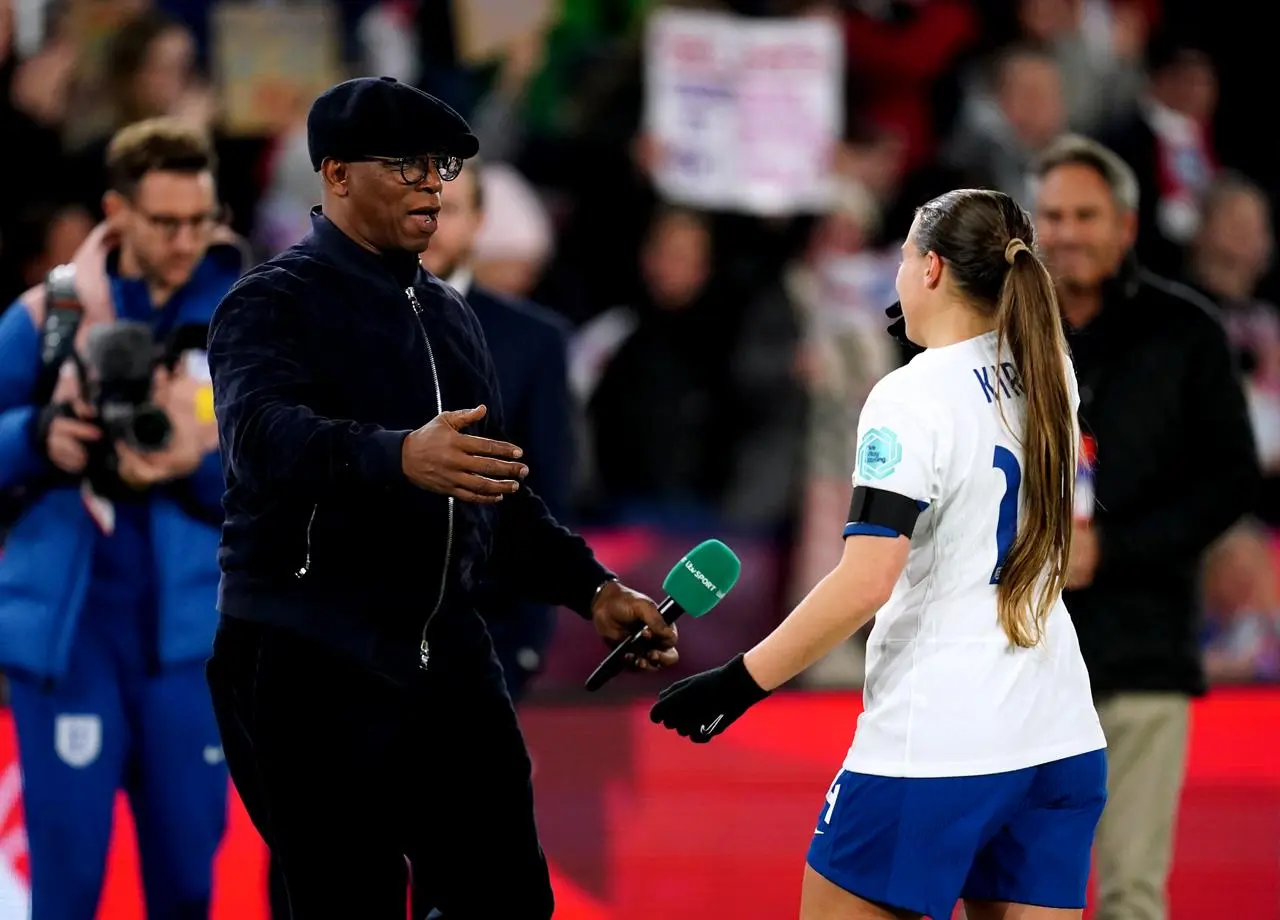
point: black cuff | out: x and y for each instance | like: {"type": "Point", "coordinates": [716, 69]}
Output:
{"type": "Point", "coordinates": [741, 684]}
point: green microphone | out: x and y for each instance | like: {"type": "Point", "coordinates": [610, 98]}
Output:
{"type": "Point", "coordinates": [695, 585]}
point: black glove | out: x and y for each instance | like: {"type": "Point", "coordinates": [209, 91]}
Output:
{"type": "Point", "coordinates": [702, 706]}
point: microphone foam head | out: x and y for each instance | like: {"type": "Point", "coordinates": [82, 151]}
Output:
{"type": "Point", "coordinates": [704, 576]}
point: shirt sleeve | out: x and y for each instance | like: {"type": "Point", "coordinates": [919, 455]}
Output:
{"type": "Point", "coordinates": [897, 452]}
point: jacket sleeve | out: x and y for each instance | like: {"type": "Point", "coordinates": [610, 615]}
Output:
{"type": "Point", "coordinates": [19, 368]}
{"type": "Point", "coordinates": [536, 558]}
{"type": "Point", "coordinates": [542, 560]}
{"type": "Point", "coordinates": [261, 387]}
{"type": "Point", "coordinates": [1208, 500]}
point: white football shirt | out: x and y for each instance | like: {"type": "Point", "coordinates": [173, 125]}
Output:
{"type": "Point", "coordinates": [946, 694]}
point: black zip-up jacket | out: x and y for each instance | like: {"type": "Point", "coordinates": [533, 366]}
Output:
{"type": "Point", "coordinates": [1175, 468]}
{"type": "Point", "coordinates": [321, 367]}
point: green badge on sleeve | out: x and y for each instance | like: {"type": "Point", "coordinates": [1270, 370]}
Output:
{"type": "Point", "coordinates": [878, 453]}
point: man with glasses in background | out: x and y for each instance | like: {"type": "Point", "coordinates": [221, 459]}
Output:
{"type": "Point", "coordinates": [108, 579]}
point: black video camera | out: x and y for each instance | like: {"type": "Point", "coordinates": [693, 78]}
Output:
{"type": "Point", "coordinates": [117, 371]}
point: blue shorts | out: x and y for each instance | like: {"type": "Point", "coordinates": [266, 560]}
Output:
{"type": "Point", "coordinates": [920, 845]}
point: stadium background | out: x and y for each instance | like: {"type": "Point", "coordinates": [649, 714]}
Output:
{"type": "Point", "coordinates": [782, 302]}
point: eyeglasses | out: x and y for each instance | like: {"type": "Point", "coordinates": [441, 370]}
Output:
{"type": "Point", "coordinates": [414, 170]}
{"type": "Point", "coordinates": [170, 225]}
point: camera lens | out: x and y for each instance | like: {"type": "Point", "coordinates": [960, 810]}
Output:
{"type": "Point", "coordinates": [149, 429]}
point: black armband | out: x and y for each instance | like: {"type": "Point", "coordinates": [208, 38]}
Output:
{"type": "Point", "coordinates": [875, 512]}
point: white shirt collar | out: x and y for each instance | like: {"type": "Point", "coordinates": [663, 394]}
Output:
{"type": "Point", "coordinates": [460, 281]}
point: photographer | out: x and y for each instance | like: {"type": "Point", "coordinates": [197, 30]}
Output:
{"type": "Point", "coordinates": [108, 578]}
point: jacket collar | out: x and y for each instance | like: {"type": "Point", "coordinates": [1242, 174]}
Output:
{"type": "Point", "coordinates": [1124, 284]}
{"type": "Point", "coordinates": [398, 268]}
{"type": "Point", "coordinates": [1118, 292]}
{"type": "Point", "coordinates": [222, 262]}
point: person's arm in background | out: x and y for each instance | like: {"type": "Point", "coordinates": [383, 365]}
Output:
{"type": "Point", "coordinates": [1188, 519]}
{"type": "Point", "coordinates": [20, 458]}
{"type": "Point", "coordinates": [261, 387]}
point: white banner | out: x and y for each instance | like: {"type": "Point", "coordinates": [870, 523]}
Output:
{"type": "Point", "coordinates": [745, 113]}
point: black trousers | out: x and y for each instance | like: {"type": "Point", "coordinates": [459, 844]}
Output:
{"type": "Point", "coordinates": [351, 779]}
{"type": "Point", "coordinates": [528, 629]}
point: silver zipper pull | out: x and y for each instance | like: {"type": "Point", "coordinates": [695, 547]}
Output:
{"type": "Point", "coordinates": [424, 654]}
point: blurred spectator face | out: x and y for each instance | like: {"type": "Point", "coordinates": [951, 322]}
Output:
{"type": "Point", "coordinates": [877, 163]}
{"type": "Point", "coordinates": [515, 239]}
{"type": "Point", "coordinates": [1082, 232]}
{"type": "Point", "coordinates": [163, 76]}
{"type": "Point", "coordinates": [1029, 93]}
{"type": "Point", "coordinates": [1189, 86]}
{"type": "Point", "coordinates": [1233, 249]}
{"type": "Point", "coordinates": [837, 234]}
{"type": "Point", "coordinates": [166, 224]}
{"type": "Point", "coordinates": [459, 222]}
{"type": "Point", "coordinates": [1048, 20]}
{"type": "Point", "coordinates": [64, 233]}
{"type": "Point", "coordinates": [676, 260]}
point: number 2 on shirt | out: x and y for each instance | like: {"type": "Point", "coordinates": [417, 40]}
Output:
{"type": "Point", "coordinates": [1007, 524]}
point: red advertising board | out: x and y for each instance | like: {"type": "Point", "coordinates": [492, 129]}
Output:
{"type": "Point", "coordinates": [640, 824]}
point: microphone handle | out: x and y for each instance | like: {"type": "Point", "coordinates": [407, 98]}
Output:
{"type": "Point", "coordinates": [634, 644]}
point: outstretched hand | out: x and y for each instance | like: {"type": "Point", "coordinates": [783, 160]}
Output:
{"type": "Point", "coordinates": [440, 458]}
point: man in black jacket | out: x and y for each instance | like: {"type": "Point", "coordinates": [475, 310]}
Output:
{"type": "Point", "coordinates": [1175, 467]}
{"type": "Point", "coordinates": [362, 710]}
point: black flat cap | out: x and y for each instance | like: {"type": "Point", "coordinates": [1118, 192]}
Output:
{"type": "Point", "coordinates": [381, 117]}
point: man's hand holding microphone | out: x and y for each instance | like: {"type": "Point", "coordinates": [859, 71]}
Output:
{"type": "Point", "coordinates": [440, 458]}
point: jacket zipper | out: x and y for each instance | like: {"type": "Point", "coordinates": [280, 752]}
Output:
{"type": "Point", "coordinates": [424, 651]}
{"type": "Point", "coordinates": [306, 562]}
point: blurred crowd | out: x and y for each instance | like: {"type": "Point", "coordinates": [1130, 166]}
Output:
{"type": "Point", "coordinates": [718, 360]}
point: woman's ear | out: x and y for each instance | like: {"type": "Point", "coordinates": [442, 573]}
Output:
{"type": "Point", "coordinates": [933, 270]}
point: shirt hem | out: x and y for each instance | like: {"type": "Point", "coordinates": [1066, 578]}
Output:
{"type": "Point", "coordinates": [891, 768]}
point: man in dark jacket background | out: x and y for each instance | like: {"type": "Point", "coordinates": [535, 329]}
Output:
{"type": "Point", "coordinates": [1175, 468]}
{"type": "Point", "coordinates": [530, 353]}
{"type": "Point", "coordinates": [363, 714]}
